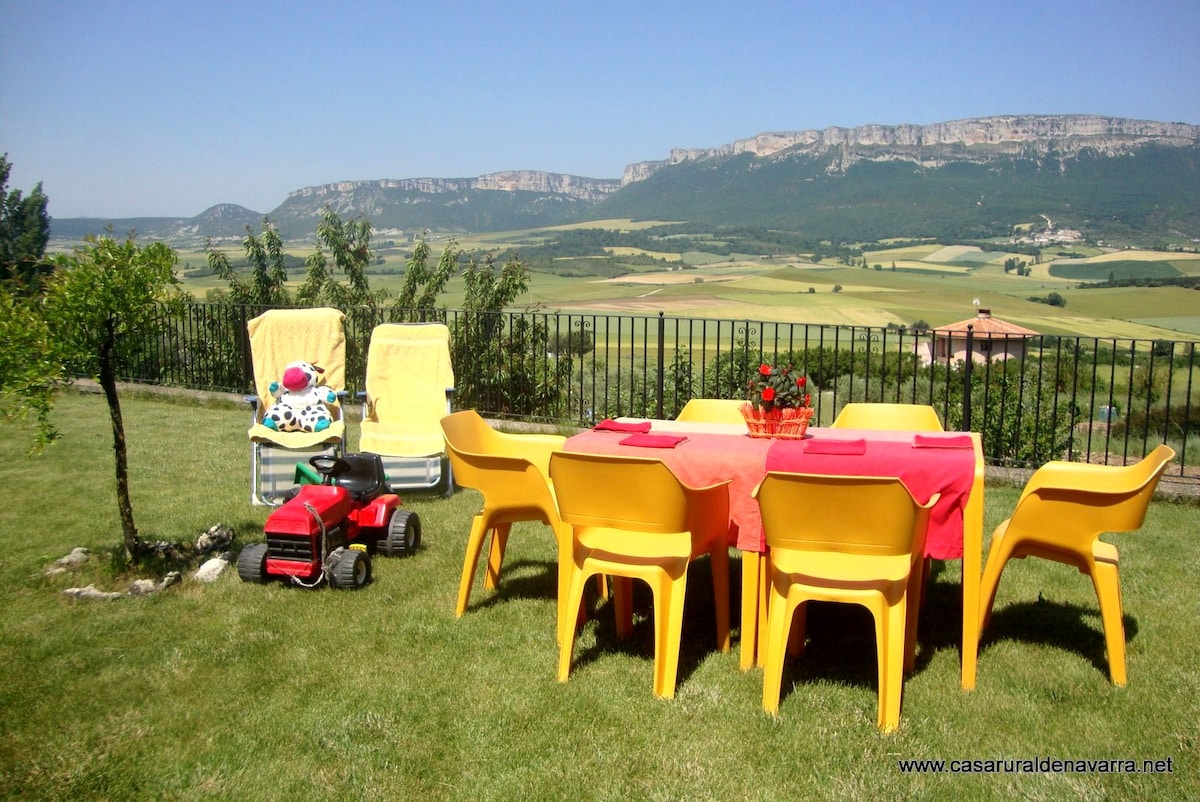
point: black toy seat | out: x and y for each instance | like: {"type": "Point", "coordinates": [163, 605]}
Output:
{"type": "Point", "coordinates": [365, 480]}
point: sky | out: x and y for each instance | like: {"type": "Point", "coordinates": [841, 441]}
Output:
{"type": "Point", "coordinates": [164, 108]}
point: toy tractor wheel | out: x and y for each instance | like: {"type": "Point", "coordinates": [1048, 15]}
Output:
{"type": "Point", "coordinates": [403, 535]}
{"type": "Point", "coordinates": [351, 571]}
{"type": "Point", "coordinates": [252, 563]}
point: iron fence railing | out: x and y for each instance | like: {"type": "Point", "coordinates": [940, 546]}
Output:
{"type": "Point", "coordinates": [1032, 399]}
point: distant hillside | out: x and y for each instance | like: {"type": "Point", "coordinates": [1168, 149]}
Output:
{"type": "Point", "coordinates": [1109, 178]}
{"type": "Point", "coordinates": [223, 221]}
{"type": "Point", "coordinates": [1106, 177]}
{"type": "Point", "coordinates": [494, 202]}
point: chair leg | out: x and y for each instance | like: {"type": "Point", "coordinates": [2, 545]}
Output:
{"type": "Point", "coordinates": [491, 580]}
{"type": "Point", "coordinates": [1107, 582]}
{"type": "Point", "coordinates": [778, 620]}
{"type": "Point", "coordinates": [889, 634]}
{"type": "Point", "coordinates": [564, 538]}
{"type": "Point", "coordinates": [479, 528]}
{"type": "Point", "coordinates": [566, 640]}
{"type": "Point", "coordinates": [669, 593]}
{"type": "Point", "coordinates": [998, 557]}
{"type": "Point", "coordinates": [753, 617]}
{"type": "Point", "coordinates": [912, 601]}
{"type": "Point", "coordinates": [622, 598]}
{"type": "Point", "coordinates": [719, 562]}
{"type": "Point", "coordinates": [798, 632]}
{"type": "Point", "coordinates": [764, 594]}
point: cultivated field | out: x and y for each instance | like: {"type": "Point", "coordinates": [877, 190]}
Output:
{"type": "Point", "coordinates": [928, 282]}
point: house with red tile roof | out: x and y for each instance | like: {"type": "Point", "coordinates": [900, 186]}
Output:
{"type": "Point", "coordinates": [990, 338]}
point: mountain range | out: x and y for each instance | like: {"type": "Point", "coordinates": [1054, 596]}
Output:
{"type": "Point", "coordinates": [1107, 177]}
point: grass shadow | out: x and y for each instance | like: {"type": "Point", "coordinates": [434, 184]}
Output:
{"type": "Point", "coordinates": [1055, 624]}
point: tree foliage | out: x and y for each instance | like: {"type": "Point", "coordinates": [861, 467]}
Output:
{"type": "Point", "coordinates": [422, 285]}
{"type": "Point", "coordinates": [268, 273]}
{"type": "Point", "coordinates": [24, 232]}
{"type": "Point", "coordinates": [348, 243]}
{"type": "Point", "coordinates": [30, 366]}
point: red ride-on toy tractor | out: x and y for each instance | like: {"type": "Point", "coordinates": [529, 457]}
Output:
{"type": "Point", "coordinates": [329, 530]}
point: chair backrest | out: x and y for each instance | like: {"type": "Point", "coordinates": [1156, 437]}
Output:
{"type": "Point", "coordinates": [904, 417]}
{"type": "Point", "coordinates": [868, 515]}
{"type": "Point", "coordinates": [617, 492]}
{"type": "Point", "coordinates": [496, 464]}
{"type": "Point", "coordinates": [712, 410]}
{"type": "Point", "coordinates": [280, 336]}
{"type": "Point", "coordinates": [1088, 500]}
{"type": "Point", "coordinates": [408, 373]}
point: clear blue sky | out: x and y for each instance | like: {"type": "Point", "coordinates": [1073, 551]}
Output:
{"type": "Point", "coordinates": [165, 108]}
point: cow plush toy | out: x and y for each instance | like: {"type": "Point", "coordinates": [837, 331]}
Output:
{"type": "Point", "coordinates": [300, 401]}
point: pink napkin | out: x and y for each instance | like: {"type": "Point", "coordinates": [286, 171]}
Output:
{"type": "Point", "coordinates": [834, 446]}
{"type": "Point", "coordinates": [654, 440]}
{"type": "Point", "coordinates": [942, 441]}
{"type": "Point", "coordinates": [610, 425]}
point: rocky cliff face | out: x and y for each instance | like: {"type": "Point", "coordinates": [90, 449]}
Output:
{"type": "Point", "coordinates": [591, 190]}
{"type": "Point", "coordinates": [980, 138]}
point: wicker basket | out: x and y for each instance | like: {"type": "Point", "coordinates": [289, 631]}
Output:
{"type": "Point", "coordinates": [778, 423]}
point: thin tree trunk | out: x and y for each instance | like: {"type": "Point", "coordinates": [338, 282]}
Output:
{"type": "Point", "coordinates": [108, 382]}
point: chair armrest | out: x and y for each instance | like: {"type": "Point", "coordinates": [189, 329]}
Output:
{"type": "Point", "coordinates": [1081, 477]}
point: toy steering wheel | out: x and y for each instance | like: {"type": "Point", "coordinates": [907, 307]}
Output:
{"type": "Point", "coordinates": [329, 467]}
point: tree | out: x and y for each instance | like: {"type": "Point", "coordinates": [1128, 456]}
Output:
{"type": "Point", "coordinates": [268, 277]}
{"type": "Point", "coordinates": [430, 283]}
{"type": "Point", "coordinates": [349, 243]}
{"type": "Point", "coordinates": [24, 232]}
{"type": "Point", "coordinates": [104, 291]}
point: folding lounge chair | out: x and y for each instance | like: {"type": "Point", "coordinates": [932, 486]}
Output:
{"type": "Point", "coordinates": [409, 384]}
{"type": "Point", "coordinates": [279, 337]}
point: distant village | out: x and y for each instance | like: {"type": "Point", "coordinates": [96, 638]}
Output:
{"type": "Point", "coordinates": [1050, 236]}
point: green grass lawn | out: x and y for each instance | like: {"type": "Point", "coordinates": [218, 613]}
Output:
{"type": "Point", "coordinates": [236, 691]}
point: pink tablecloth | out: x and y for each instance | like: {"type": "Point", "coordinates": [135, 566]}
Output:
{"type": "Point", "coordinates": [706, 458]}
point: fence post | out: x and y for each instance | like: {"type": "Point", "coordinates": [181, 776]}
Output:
{"type": "Point", "coordinates": [243, 340]}
{"type": "Point", "coordinates": [662, 350]}
{"type": "Point", "coordinates": [970, 363]}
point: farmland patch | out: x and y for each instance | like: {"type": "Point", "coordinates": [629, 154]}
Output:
{"type": "Point", "coordinates": [1096, 270]}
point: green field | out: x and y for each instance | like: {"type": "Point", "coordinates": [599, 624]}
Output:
{"type": "Point", "coordinates": [927, 282]}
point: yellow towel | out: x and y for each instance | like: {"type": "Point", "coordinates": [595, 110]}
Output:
{"type": "Point", "coordinates": [408, 373]}
{"type": "Point", "coordinates": [280, 336]}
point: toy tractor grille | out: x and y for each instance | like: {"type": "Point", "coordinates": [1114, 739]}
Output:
{"type": "Point", "coordinates": [290, 548]}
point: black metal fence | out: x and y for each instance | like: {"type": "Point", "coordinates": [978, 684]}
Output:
{"type": "Point", "coordinates": [1032, 399]}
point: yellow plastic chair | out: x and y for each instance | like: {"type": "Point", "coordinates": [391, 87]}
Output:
{"type": "Point", "coordinates": [712, 410]}
{"type": "Point", "coordinates": [631, 518]}
{"type": "Point", "coordinates": [1060, 515]}
{"type": "Point", "coordinates": [409, 384]}
{"type": "Point", "coordinates": [851, 539]}
{"type": "Point", "coordinates": [902, 417]}
{"type": "Point", "coordinates": [277, 338]}
{"type": "Point", "coordinates": [512, 473]}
